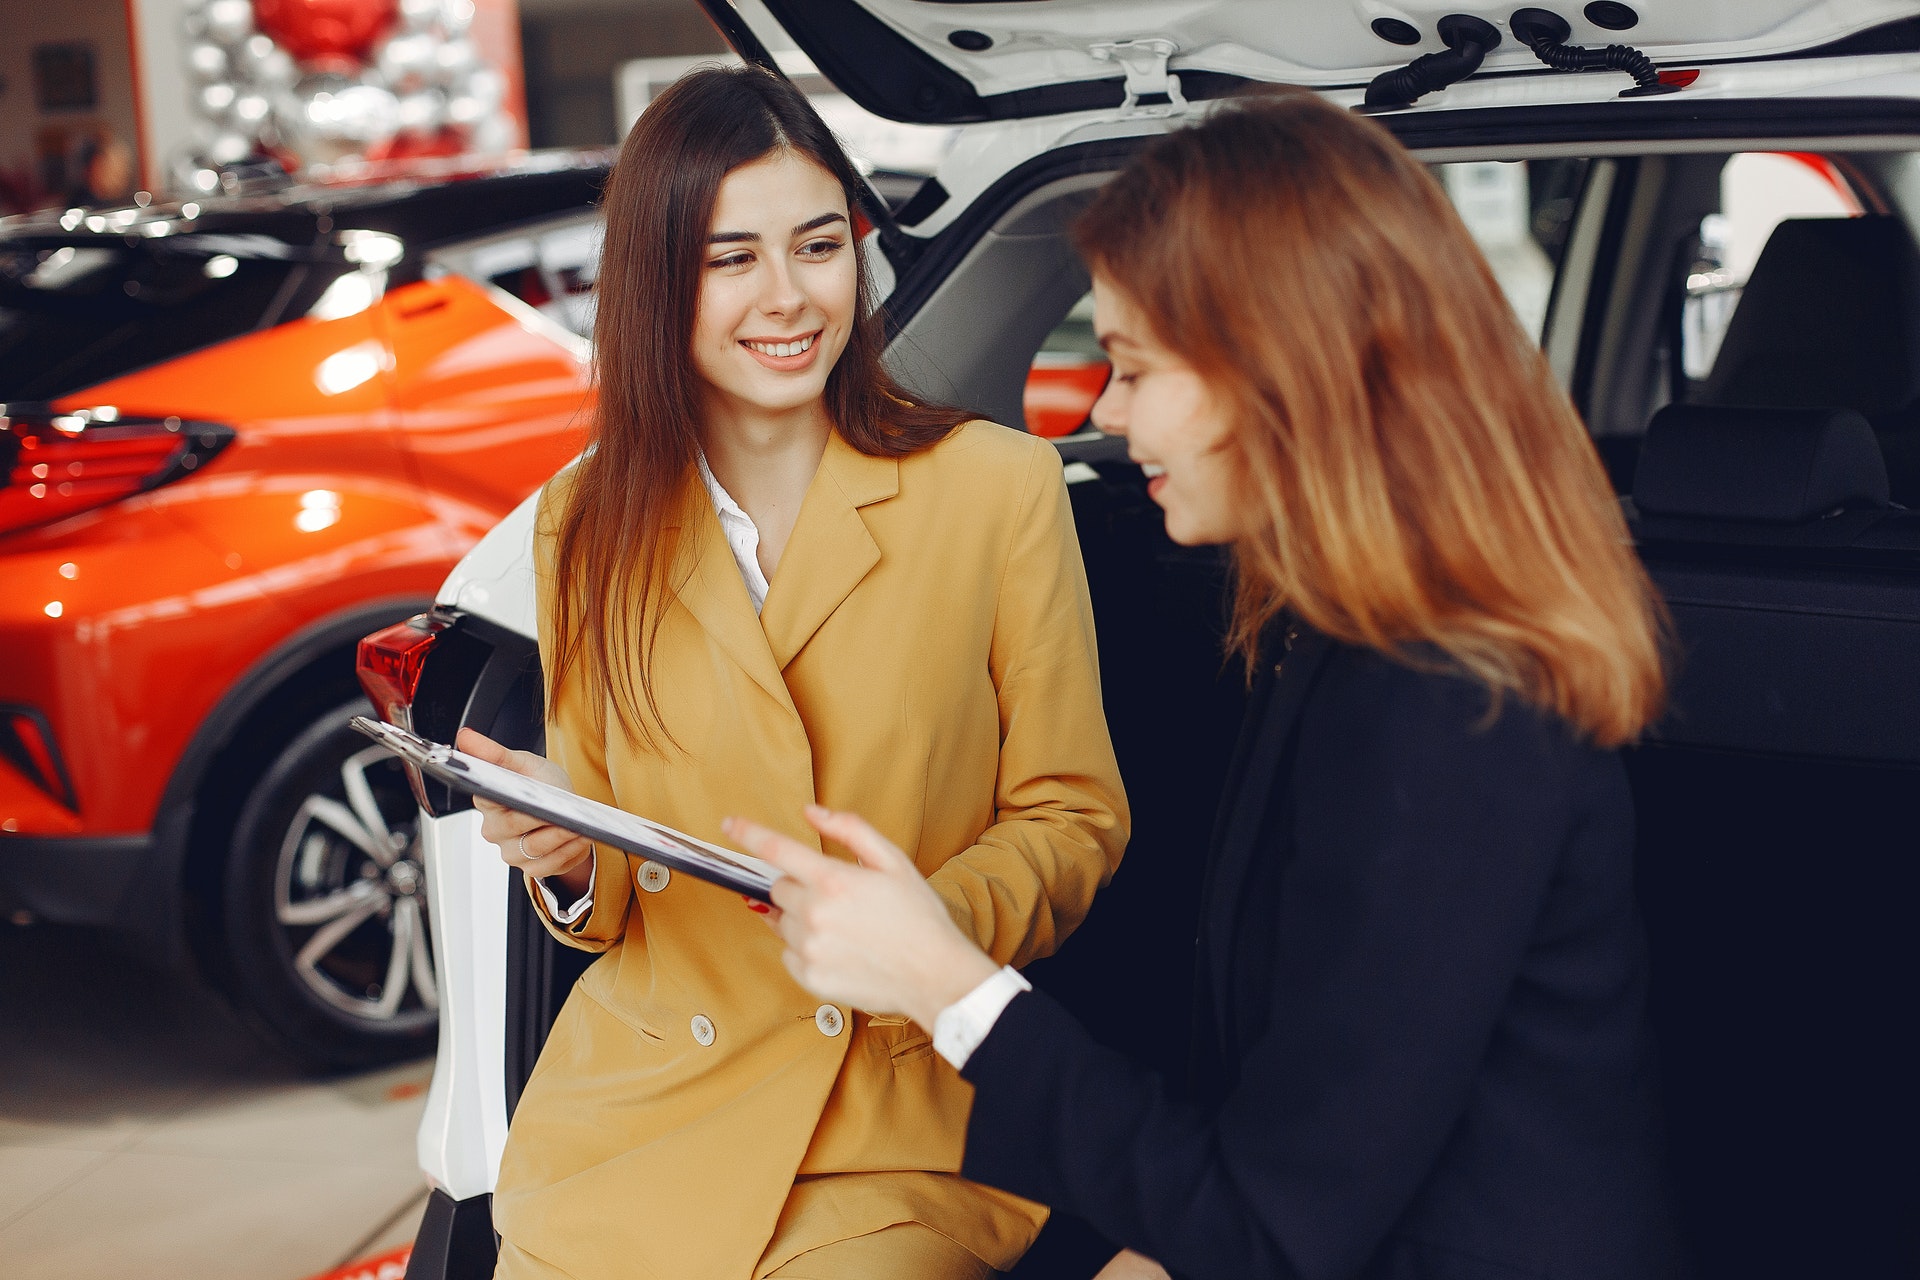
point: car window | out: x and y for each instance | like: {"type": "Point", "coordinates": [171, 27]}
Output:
{"type": "Point", "coordinates": [1519, 213]}
{"type": "Point", "coordinates": [1758, 190]}
{"type": "Point", "coordinates": [552, 266]}
{"type": "Point", "coordinates": [75, 314]}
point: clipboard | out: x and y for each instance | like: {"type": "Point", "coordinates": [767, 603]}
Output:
{"type": "Point", "coordinates": [601, 823]}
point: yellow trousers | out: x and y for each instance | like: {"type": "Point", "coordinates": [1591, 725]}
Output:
{"type": "Point", "coordinates": [903, 1251]}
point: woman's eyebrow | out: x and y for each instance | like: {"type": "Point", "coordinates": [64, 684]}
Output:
{"type": "Point", "coordinates": [753, 237]}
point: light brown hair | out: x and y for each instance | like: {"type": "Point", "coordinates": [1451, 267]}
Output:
{"type": "Point", "coordinates": [1429, 483]}
{"type": "Point", "coordinates": [616, 543]}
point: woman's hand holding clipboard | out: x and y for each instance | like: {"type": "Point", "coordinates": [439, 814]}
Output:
{"type": "Point", "coordinates": [525, 794]}
{"type": "Point", "coordinates": [537, 847]}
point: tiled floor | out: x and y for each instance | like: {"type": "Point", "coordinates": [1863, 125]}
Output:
{"type": "Point", "coordinates": [144, 1133]}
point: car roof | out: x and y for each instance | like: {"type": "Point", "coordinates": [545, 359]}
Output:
{"type": "Point", "coordinates": [420, 202]}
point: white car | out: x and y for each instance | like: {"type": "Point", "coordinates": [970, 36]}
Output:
{"type": "Point", "coordinates": [1705, 234]}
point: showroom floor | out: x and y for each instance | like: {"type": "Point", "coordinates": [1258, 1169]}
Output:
{"type": "Point", "coordinates": [143, 1132]}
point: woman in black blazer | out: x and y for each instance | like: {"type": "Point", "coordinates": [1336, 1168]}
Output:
{"type": "Point", "coordinates": [1422, 1048]}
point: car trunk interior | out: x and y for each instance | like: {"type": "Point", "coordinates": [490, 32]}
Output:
{"type": "Point", "coordinates": [1777, 867]}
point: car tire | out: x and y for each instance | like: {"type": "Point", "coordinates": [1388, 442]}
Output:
{"type": "Point", "coordinates": [324, 903]}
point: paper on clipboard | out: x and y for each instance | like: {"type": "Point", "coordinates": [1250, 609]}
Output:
{"type": "Point", "coordinates": [598, 822]}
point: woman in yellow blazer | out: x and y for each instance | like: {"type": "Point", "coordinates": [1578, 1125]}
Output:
{"type": "Point", "coordinates": [923, 652]}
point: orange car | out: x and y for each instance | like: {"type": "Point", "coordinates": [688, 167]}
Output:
{"type": "Point", "coordinates": [236, 437]}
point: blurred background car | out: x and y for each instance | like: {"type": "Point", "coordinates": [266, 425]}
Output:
{"type": "Point", "coordinates": [237, 434]}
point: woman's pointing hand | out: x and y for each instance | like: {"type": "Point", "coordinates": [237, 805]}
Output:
{"type": "Point", "coordinates": [874, 935]}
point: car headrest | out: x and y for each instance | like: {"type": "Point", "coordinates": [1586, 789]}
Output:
{"type": "Point", "coordinates": [1782, 466]}
{"type": "Point", "coordinates": [1830, 316]}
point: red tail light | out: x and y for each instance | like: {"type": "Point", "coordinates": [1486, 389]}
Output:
{"type": "Point", "coordinates": [58, 463]}
{"type": "Point", "coordinates": [390, 663]}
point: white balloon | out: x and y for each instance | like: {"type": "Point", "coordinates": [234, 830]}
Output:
{"type": "Point", "coordinates": [465, 111]}
{"type": "Point", "coordinates": [230, 148]}
{"type": "Point", "coordinates": [214, 99]}
{"type": "Point", "coordinates": [456, 16]}
{"type": "Point", "coordinates": [406, 61]}
{"type": "Point", "coordinates": [367, 113]}
{"type": "Point", "coordinates": [327, 116]}
{"type": "Point", "coordinates": [250, 111]}
{"type": "Point", "coordinates": [266, 64]}
{"type": "Point", "coordinates": [455, 59]}
{"type": "Point", "coordinates": [494, 134]}
{"type": "Point", "coordinates": [276, 71]}
{"type": "Point", "coordinates": [418, 15]}
{"type": "Point", "coordinates": [208, 62]}
{"type": "Point", "coordinates": [229, 21]}
{"type": "Point", "coordinates": [423, 112]}
{"type": "Point", "coordinates": [487, 86]}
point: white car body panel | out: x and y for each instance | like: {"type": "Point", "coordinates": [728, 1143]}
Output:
{"type": "Point", "coordinates": [1328, 42]}
{"type": "Point", "coordinates": [495, 578]}
{"type": "Point", "coordinates": [983, 153]}
{"type": "Point", "coordinates": [464, 1128]}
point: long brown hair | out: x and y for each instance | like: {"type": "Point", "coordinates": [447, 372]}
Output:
{"type": "Point", "coordinates": [1429, 483]}
{"type": "Point", "coordinates": [616, 540]}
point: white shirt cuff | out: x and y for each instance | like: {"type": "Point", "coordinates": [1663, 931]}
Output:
{"type": "Point", "coordinates": [964, 1024]}
{"type": "Point", "coordinates": [581, 905]}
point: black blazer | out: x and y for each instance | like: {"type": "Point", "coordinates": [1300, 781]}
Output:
{"type": "Point", "coordinates": [1422, 1047]}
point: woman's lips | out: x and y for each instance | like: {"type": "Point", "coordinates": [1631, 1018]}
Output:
{"type": "Point", "coordinates": [793, 363]}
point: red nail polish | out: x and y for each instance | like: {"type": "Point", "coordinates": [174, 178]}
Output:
{"type": "Point", "coordinates": [761, 907]}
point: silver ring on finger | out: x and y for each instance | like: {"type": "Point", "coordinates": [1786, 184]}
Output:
{"type": "Point", "coordinates": [524, 855]}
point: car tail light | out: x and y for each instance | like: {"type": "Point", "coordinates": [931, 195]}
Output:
{"type": "Point", "coordinates": [26, 742]}
{"type": "Point", "coordinates": [58, 462]}
{"type": "Point", "coordinates": [1061, 390]}
{"type": "Point", "coordinates": [390, 664]}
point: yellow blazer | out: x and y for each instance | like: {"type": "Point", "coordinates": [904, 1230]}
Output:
{"type": "Point", "coordinates": [926, 657]}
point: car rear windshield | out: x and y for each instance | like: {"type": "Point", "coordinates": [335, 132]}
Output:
{"type": "Point", "coordinates": [78, 312]}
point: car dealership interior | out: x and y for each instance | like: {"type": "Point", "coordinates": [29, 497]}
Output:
{"type": "Point", "coordinates": [304, 342]}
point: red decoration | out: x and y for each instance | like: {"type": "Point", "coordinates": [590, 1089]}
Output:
{"type": "Point", "coordinates": [319, 28]}
{"type": "Point", "coordinates": [406, 146]}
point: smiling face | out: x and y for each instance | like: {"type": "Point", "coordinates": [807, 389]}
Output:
{"type": "Point", "coordinates": [778, 289]}
{"type": "Point", "coordinates": [1174, 426]}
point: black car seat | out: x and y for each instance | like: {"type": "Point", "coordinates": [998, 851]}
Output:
{"type": "Point", "coordinates": [1830, 318]}
{"type": "Point", "coordinates": [1760, 476]}
{"type": "Point", "coordinates": [1774, 799]}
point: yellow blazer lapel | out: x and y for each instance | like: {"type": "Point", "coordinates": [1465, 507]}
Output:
{"type": "Point", "coordinates": [717, 598]}
{"type": "Point", "coordinates": [831, 549]}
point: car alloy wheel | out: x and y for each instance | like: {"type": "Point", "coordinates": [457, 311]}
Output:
{"type": "Point", "coordinates": [350, 894]}
{"type": "Point", "coordinates": [324, 911]}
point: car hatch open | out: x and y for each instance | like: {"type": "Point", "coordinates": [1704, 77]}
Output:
{"type": "Point", "coordinates": [966, 62]}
